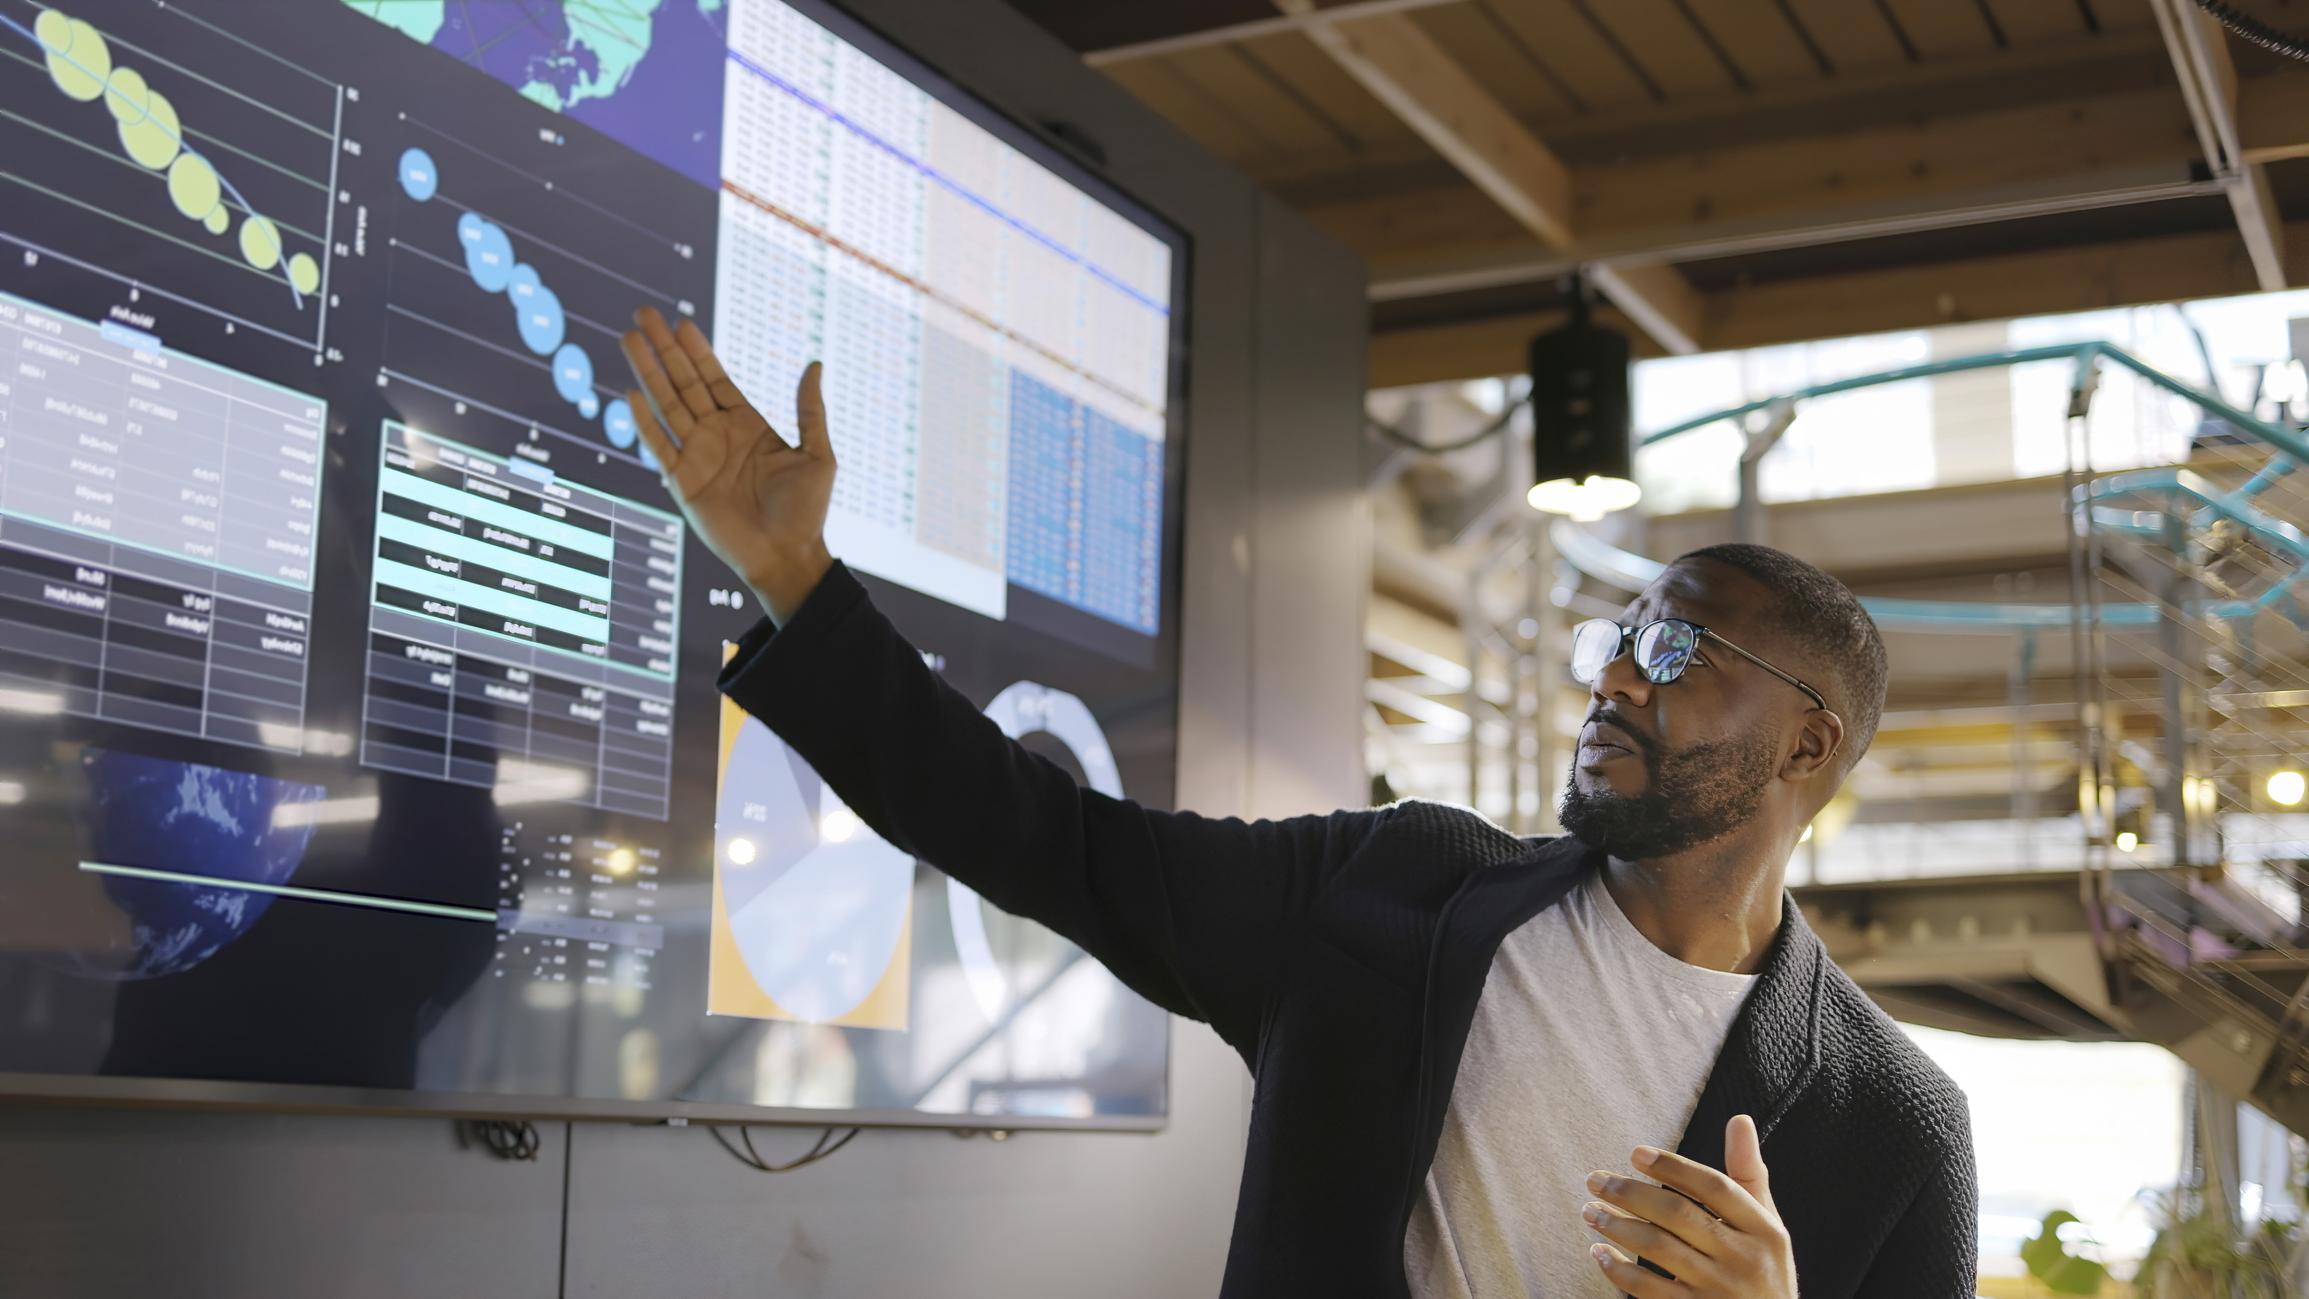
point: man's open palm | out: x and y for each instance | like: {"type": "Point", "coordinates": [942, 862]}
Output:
{"type": "Point", "coordinates": [758, 502]}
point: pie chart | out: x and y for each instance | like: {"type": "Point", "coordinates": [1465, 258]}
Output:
{"type": "Point", "coordinates": [1001, 953]}
{"type": "Point", "coordinates": [811, 908]}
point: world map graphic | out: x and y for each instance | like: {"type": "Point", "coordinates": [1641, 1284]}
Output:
{"type": "Point", "coordinates": [646, 73]}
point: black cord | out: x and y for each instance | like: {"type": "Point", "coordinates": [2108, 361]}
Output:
{"type": "Point", "coordinates": [1403, 439]}
{"type": "Point", "coordinates": [2247, 27]}
{"type": "Point", "coordinates": [503, 1138]}
{"type": "Point", "coordinates": [752, 1158]}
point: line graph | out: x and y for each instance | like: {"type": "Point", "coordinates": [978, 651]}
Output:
{"type": "Point", "coordinates": [166, 156]}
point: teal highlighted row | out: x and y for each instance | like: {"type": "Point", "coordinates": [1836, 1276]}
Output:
{"type": "Point", "coordinates": [441, 587]}
{"type": "Point", "coordinates": [393, 527]}
{"type": "Point", "coordinates": [400, 482]}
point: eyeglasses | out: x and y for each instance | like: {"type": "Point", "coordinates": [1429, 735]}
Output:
{"type": "Point", "coordinates": [1663, 650]}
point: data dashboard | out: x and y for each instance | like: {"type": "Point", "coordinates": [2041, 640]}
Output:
{"type": "Point", "coordinates": [358, 726]}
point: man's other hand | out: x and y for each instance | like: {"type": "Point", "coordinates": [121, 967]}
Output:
{"type": "Point", "coordinates": [1716, 1234]}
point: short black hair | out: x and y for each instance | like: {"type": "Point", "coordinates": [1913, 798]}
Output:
{"type": "Point", "coordinates": [1824, 616]}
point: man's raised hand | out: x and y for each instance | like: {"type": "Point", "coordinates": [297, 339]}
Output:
{"type": "Point", "coordinates": [757, 501]}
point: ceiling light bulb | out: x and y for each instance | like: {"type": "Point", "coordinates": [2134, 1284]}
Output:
{"type": "Point", "coordinates": [2287, 787]}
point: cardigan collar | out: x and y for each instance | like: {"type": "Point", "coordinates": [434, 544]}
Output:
{"type": "Point", "coordinates": [1768, 1056]}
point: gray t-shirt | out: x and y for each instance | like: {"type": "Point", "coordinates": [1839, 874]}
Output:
{"type": "Point", "coordinates": [1588, 1041]}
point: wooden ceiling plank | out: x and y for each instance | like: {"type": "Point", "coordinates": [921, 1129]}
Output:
{"type": "Point", "coordinates": [1159, 87]}
{"type": "Point", "coordinates": [1295, 59]}
{"type": "Point", "coordinates": [1857, 166]}
{"type": "Point", "coordinates": [1408, 71]}
{"type": "Point", "coordinates": [2273, 118]}
{"type": "Point", "coordinates": [2040, 22]}
{"type": "Point", "coordinates": [2200, 50]}
{"type": "Point", "coordinates": [1266, 25]}
{"type": "Point", "coordinates": [2118, 148]}
{"type": "Point", "coordinates": [2121, 273]}
{"type": "Point", "coordinates": [1851, 33]}
{"type": "Point", "coordinates": [1657, 35]}
{"type": "Point", "coordinates": [1657, 297]}
{"type": "Point", "coordinates": [1499, 59]}
{"type": "Point", "coordinates": [1942, 29]}
{"type": "Point", "coordinates": [2122, 15]}
{"type": "Point", "coordinates": [1595, 73]}
{"type": "Point", "coordinates": [1760, 41]}
{"type": "Point", "coordinates": [1282, 123]}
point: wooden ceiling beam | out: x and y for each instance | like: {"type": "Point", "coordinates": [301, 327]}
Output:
{"type": "Point", "coordinates": [2124, 147]}
{"type": "Point", "coordinates": [2119, 273]}
{"type": "Point", "coordinates": [1401, 66]}
{"type": "Point", "coordinates": [2200, 52]}
{"type": "Point", "coordinates": [1257, 27]}
{"type": "Point", "coordinates": [2272, 119]}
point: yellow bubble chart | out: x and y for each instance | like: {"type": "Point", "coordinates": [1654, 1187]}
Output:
{"type": "Point", "coordinates": [261, 243]}
{"type": "Point", "coordinates": [127, 96]}
{"type": "Point", "coordinates": [149, 130]}
{"type": "Point", "coordinates": [304, 273]}
{"type": "Point", "coordinates": [217, 220]}
{"type": "Point", "coordinates": [78, 59]}
{"type": "Point", "coordinates": [193, 185]}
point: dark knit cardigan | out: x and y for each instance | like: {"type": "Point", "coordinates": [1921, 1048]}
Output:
{"type": "Point", "coordinates": [1341, 956]}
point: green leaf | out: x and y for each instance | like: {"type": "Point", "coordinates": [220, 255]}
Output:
{"type": "Point", "coordinates": [2050, 1262]}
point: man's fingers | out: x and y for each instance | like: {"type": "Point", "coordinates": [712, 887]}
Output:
{"type": "Point", "coordinates": [1723, 1197]}
{"type": "Point", "coordinates": [1634, 1280]}
{"type": "Point", "coordinates": [1744, 1159]}
{"type": "Point", "coordinates": [1646, 1240]}
{"type": "Point", "coordinates": [810, 413]}
{"type": "Point", "coordinates": [652, 377]}
{"type": "Point", "coordinates": [709, 367]}
{"type": "Point", "coordinates": [653, 435]}
{"type": "Point", "coordinates": [1669, 1209]}
{"type": "Point", "coordinates": [687, 384]}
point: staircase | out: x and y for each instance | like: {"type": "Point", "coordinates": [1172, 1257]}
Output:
{"type": "Point", "coordinates": [2196, 654]}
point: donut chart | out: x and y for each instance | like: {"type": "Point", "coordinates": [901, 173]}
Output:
{"type": "Point", "coordinates": [999, 952]}
{"type": "Point", "coordinates": [812, 911]}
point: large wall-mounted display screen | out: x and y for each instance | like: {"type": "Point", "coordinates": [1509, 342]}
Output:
{"type": "Point", "coordinates": [359, 742]}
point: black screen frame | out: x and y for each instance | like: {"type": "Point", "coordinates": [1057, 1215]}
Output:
{"type": "Point", "coordinates": [1039, 144]}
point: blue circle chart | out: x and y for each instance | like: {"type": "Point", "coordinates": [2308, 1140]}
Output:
{"type": "Point", "coordinates": [538, 315]}
{"type": "Point", "coordinates": [537, 311]}
{"type": "Point", "coordinates": [420, 179]}
{"type": "Point", "coordinates": [1024, 708]}
{"type": "Point", "coordinates": [488, 253]}
{"type": "Point", "coordinates": [618, 423]}
{"type": "Point", "coordinates": [573, 374]}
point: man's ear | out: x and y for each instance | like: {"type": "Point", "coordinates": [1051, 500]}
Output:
{"type": "Point", "coordinates": [1817, 745]}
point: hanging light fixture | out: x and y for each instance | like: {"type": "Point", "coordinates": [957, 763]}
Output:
{"type": "Point", "coordinates": [1582, 450]}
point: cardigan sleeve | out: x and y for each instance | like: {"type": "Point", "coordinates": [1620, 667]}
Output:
{"type": "Point", "coordinates": [1933, 1251]}
{"type": "Point", "coordinates": [1186, 910]}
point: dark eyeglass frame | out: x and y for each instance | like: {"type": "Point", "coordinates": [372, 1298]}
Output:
{"type": "Point", "coordinates": [1699, 633]}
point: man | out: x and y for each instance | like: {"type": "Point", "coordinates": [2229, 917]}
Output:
{"type": "Point", "coordinates": [1473, 1052]}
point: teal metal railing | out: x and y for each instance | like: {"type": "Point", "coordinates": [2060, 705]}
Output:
{"type": "Point", "coordinates": [2288, 451]}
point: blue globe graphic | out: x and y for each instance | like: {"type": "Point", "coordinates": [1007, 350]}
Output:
{"type": "Point", "coordinates": [193, 820]}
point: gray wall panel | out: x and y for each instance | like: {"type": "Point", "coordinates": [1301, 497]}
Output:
{"type": "Point", "coordinates": [154, 1203]}
{"type": "Point", "coordinates": [1311, 525]}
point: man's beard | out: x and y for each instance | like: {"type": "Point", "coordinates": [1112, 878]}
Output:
{"type": "Point", "coordinates": [1690, 797]}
